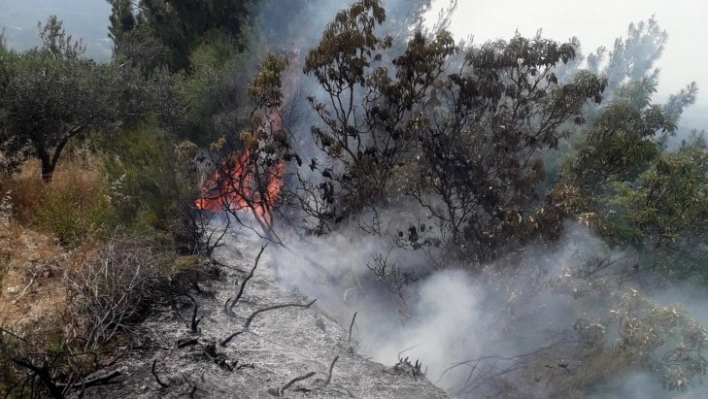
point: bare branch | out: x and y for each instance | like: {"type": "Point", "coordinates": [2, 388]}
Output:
{"type": "Point", "coordinates": [329, 374]}
{"type": "Point", "coordinates": [243, 284]}
{"type": "Point", "coordinates": [279, 392]}
{"type": "Point", "coordinates": [351, 326]}
{"type": "Point", "coordinates": [195, 321]}
{"type": "Point", "coordinates": [188, 342]}
{"type": "Point", "coordinates": [287, 305]}
{"type": "Point", "coordinates": [157, 378]}
{"type": "Point", "coordinates": [105, 380]}
{"type": "Point", "coordinates": [230, 337]}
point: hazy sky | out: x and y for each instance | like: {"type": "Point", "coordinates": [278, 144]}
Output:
{"type": "Point", "coordinates": [594, 22]}
{"type": "Point", "coordinates": [599, 22]}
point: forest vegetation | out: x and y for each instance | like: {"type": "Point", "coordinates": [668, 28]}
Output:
{"type": "Point", "coordinates": [464, 154]}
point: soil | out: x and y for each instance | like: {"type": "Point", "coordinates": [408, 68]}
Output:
{"type": "Point", "coordinates": [261, 362]}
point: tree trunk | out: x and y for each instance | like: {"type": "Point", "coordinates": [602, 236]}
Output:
{"type": "Point", "coordinates": [46, 162]}
{"type": "Point", "coordinates": [49, 163]}
{"type": "Point", "coordinates": [47, 171]}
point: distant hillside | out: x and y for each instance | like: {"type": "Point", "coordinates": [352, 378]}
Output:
{"type": "Point", "coordinates": [87, 19]}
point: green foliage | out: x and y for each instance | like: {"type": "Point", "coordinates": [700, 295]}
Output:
{"type": "Point", "coordinates": [140, 167]}
{"type": "Point", "coordinates": [663, 340]}
{"type": "Point", "coordinates": [214, 91]}
{"type": "Point", "coordinates": [183, 26]}
{"type": "Point", "coordinates": [152, 187]}
{"type": "Point", "coordinates": [668, 199]}
{"type": "Point", "coordinates": [638, 195]}
{"type": "Point", "coordinates": [266, 87]}
{"type": "Point", "coordinates": [51, 95]}
{"type": "Point", "coordinates": [633, 57]}
{"type": "Point", "coordinates": [620, 145]}
{"type": "Point", "coordinates": [122, 21]}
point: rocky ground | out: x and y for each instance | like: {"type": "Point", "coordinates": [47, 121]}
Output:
{"type": "Point", "coordinates": [294, 351]}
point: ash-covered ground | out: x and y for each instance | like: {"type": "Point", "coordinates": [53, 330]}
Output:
{"type": "Point", "coordinates": [261, 362]}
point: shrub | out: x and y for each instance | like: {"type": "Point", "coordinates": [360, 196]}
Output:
{"type": "Point", "coordinates": [72, 207]}
{"type": "Point", "coordinates": [110, 287]}
{"type": "Point", "coordinates": [152, 184]}
{"type": "Point", "coordinates": [74, 210]}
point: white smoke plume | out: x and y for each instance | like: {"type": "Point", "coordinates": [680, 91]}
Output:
{"type": "Point", "coordinates": [445, 318]}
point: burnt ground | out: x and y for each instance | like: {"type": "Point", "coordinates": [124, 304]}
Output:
{"type": "Point", "coordinates": [278, 346]}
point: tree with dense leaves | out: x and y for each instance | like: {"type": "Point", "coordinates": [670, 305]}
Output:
{"type": "Point", "coordinates": [632, 58]}
{"type": "Point", "coordinates": [52, 94]}
{"type": "Point", "coordinates": [621, 179]}
{"type": "Point", "coordinates": [473, 136]}
{"type": "Point", "coordinates": [184, 24]}
{"type": "Point", "coordinates": [370, 119]}
{"type": "Point", "coordinates": [122, 21]}
{"type": "Point", "coordinates": [481, 156]}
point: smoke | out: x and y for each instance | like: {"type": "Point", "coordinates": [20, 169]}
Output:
{"type": "Point", "coordinates": [524, 318]}
{"type": "Point", "coordinates": [451, 316]}
{"type": "Point", "coordinates": [638, 385]}
{"type": "Point", "coordinates": [468, 328]}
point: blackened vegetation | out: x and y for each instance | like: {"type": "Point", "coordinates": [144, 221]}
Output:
{"type": "Point", "coordinates": [208, 349]}
{"type": "Point", "coordinates": [459, 130]}
{"type": "Point", "coordinates": [55, 374]}
{"type": "Point", "coordinates": [405, 366]}
{"type": "Point", "coordinates": [374, 119]}
{"type": "Point", "coordinates": [231, 302]}
{"type": "Point", "coordinates": [394, 278]}
{"type": "Point", "coordinates": [157, 377]}
{"type": "Point", "coordinates": [320, 384]}
{"type": "Point", "coordinates": [248, 171]}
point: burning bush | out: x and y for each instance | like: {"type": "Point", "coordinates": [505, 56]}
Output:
{"type": "Point", "coordinates": [250, 169]}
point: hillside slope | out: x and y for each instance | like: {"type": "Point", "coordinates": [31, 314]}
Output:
{"type": "Point", "coordinates": [278, 346]}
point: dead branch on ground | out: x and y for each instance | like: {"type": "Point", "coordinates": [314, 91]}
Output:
{"type": "Point", "coordinates": [351, 326]}
{"type": "Point", "coordinates": [287, 305]}
{"type": "Point", "coordinates": [230, 337]}
{"type": "Point", "coordinates": [188, 342]}
{"type": "Point", "coordinates": [279, 391]}
{"type": "Point", "coordinates": [195, 321]}
{"type": "Point", "coordinates": [329, 374]}
{"type": "Point", "coordinates": [230, 309]}
{"type": "Point", "coordinates": [254, 314]}
{"type": "Point", "coordinates": [157, 378]}
{"type": "Point", "coordinates": [105, 380]}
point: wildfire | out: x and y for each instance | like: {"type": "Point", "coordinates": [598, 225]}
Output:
{"type": "Point", "coordinates": [240, 190]}
{"type": "Point", "coordinates": [241, 186]}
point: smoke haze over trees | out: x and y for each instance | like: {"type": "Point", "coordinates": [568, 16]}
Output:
{"type": "Point", "coordinates": [523, 215]}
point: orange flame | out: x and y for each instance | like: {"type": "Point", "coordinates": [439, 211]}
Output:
{"type": "Point", "coordinates": [238, 189]}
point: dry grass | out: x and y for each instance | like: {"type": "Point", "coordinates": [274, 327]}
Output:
{"type": "Point", "coordinates": [78, 173]}
{"type": "Point", "coordinates": [31, 289]}
{"type": "Point", "coordinates": [71, 207]}
{"type": "Point", "coordinates": [33, 262]}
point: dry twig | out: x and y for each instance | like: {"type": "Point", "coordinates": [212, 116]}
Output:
{"type": "Point", "coordinates": [287, 305]}
{"type": "Point", "coordinates": [230, 309]}
{"type": "Point", "coordinates": [229, 338]}
{"type": "Point", "coordinates": [351, 326]}
{"type": "Point", "coordinates": [279, 392]}
{"type": "Point", "coordinates": [329, 374]}
{"type": "Point", "coordinates": [157, 378]}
